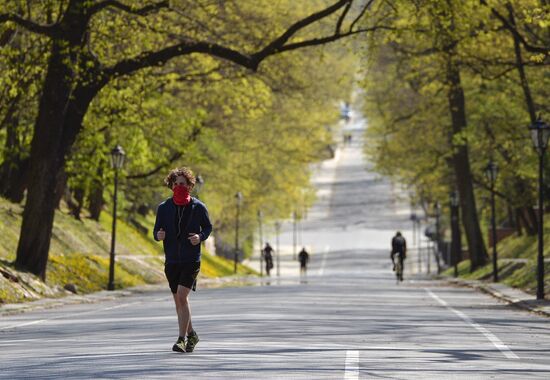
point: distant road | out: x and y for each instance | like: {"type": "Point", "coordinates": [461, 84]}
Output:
{"type": "Point", "coordinates": [347, 320]}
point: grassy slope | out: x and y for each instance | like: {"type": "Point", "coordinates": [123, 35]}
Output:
{"type": "Point", "coordinates": [79, 255]}
{"type": "Point", "coordinates": [516, 274]}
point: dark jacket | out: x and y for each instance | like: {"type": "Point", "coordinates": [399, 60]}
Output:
{"type": "Point", "coordinates": [398, 244]}
{"type": "Point", "coordinates": [198, 223]}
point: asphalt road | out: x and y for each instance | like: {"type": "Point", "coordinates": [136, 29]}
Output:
{"type": "Point", "coordinates": [348, 319]}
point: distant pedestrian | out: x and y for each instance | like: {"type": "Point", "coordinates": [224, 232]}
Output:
{"type": "Point", "coordinates": [182, 223]}
{"type": "Point", "coordinates": [268, 256]}
{"type": "Point", "coordinates": [346, 112]}
{"type": "Point", "coordinates": [347, 138]}
{"type": "Point", "coordinates": [303, 257]}
{"type": "Point", "coordinates": [399, 246]}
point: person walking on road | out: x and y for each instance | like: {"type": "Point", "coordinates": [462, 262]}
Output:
{"type": "Point", "coordinates": [182, 223]}
{"type": "Point", "coordinates": [268, 256]}
{"type": "Point", "coordinates": [303, 257]}
{"type": "Point", "coordinates": [399, 245]}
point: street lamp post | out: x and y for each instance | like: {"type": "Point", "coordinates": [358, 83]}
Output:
{"type": "Point", "coordinates": [491, 172]}
{"type": "Point", "coordinates": [456, 246]}
{"type": "Point", "coordinates": [238, 198]}
{"type": "Point", "coordinates": [294, 235]}
{"type": "Point", "coordinates": [540, 131]}
{"type": "Point", "coordinates": [419, 242]}
{"type": "Point", "coordinates": [414, 219]}
{"type": "Point", "coordinates": [117, 160]}
{"type": "Point", "coordinates": [437, 237]}
{"type": "Point", "coordinates": [260, 215]}
{"type": "Point", "coordinates": [277, 232]}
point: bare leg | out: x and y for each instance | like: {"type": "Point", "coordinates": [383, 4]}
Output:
{"type": "Point", "coordinates": [183, 309]}
{"type": "Point", "coordinates": [178, 308]}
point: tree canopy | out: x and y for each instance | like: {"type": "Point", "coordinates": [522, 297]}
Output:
{"type": "Point", "coordinates": [492, 55]}
{"type": "Point", "coordinates": [174, 82]}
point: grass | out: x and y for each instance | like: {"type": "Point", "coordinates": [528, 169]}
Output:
{"type": "Point", "coordinates": [79, 255]}
{"type": "Point", "coordinates": [519, 274]}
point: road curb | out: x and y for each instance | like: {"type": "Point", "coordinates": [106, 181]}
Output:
{"type": "Point", "coordinates": [77, 299]}
{"type": "Point", "coordinates": [110, 295]}
{"type": "Point", "coordinates": [520, 303]}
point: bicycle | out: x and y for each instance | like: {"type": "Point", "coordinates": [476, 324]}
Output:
{"type": "Point", "coordinates": [398, 267]}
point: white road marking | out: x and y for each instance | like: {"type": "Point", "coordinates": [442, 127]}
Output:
{"type": "Point", "coordinates": [324, 260]}
{"type": "Point", "coordinates": [121, 305]}
{"type": "Point", "coordinates": [24, 324]}
{"type": "Point", "coordinates": [68, 315]}
{"type": "Point", "coordinates": [489, 335]}
{"type": "Point", "coordinates": [352, 365]}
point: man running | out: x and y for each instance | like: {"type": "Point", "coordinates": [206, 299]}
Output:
{"type": "Point", "coordinates": [182, 223]}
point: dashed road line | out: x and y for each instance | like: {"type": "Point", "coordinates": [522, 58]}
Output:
{"type": "Point", "coordinates": [489, 335]}
{"type": "Point", "coordinates": [352, 365]}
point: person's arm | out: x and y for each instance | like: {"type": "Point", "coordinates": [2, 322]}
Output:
{"type": "Point", "coordinates": [158, 225]}
{"type": "Point", "coordinates": [206, 225]}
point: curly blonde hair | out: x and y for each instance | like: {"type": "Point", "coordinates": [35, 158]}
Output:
{"type": "Point", "coordinates": [175, 173]}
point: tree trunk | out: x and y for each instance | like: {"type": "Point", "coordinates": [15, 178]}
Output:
{"type": "Point", "coordinates": [76, 208]}
{"type": "Point", "coordinates": [47, 163]}
{"type": "Point", "coordinates": [463, 174]}
{"type": "Point", "coordinates": [96, 197]}
{"type": "Point", "coordinates": [521, 68]}
{"type": "Point", "coordinates": [530, 214]}
{"type": "Point", "coordinates": [60, 187]}
{"type": "Point", "coordinates": [532, 223]}
{"type": "Point", "coordinates": [62, 107]}
{"type": "Point", "coordinates": [14, 167]}
{"type": "Point", "coordinates": [34, 240]}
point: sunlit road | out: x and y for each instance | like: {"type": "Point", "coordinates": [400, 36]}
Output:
{"type": "Point", "coordinates": [347, 320]}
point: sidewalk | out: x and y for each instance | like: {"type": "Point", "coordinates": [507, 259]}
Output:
{"type": "Point", "coordinates": [106, 295]}
{"type": "Point", "coordinates": [74, 299]}
{"type": "Point", "coordinates": [513, 297]}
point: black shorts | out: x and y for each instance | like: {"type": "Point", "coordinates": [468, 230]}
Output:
{"type": "Point", "coordinates": [182, 274]}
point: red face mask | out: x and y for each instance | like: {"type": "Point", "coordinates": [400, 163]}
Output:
{"type": "Point", "coordinates": [181, 195]}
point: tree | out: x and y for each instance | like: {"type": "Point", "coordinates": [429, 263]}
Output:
{"type": "Point", "coordinates": [75, 75]}
{"type": "Point", "coordinates": [444, 18]}
{"type": "Point", "coordinates": [442, 100]}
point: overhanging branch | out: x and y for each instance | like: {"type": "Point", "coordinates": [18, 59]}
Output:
{"type": "Point", "coordinates": [157, 58]}
{"type": "Point", "coordinates": [29, 25]}
{"type": "Point", "coordinates": [151, 8]}
{"type": "Point", "coordinates": [327, 39]}
{"type": "Point", "coordinates": [280, 41]}
{"type": "Point", "coordinates": [360, 15]}
{"type": "Point", "coordinates": [175, 156]}
{"type": "Point", "coordinates": [341, 18]}
{"type": "Point", "coordinates": [160, 57]}
{"type": "Point", "coordinates": [512, 29]}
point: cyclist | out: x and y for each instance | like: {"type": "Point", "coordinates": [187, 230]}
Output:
{"type": "Point", "coordinates": [399, 245]}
